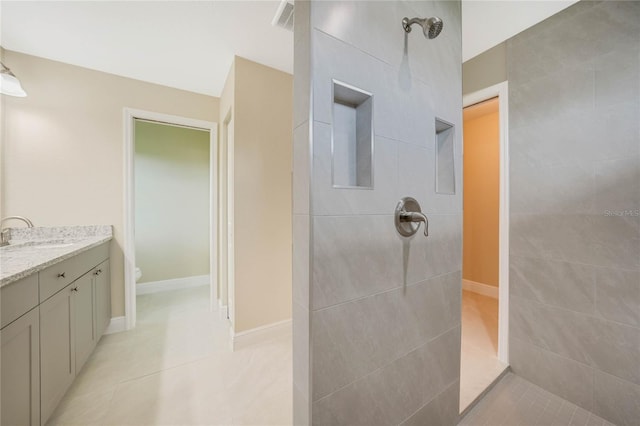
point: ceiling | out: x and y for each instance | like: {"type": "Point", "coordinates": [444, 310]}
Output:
{"type": "Point", "coordinates": [488, 23]}
{"type": "Point", "coordinates": [159, 41]}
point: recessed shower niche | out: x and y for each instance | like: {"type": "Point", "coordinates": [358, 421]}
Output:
{"type": "Point", "coordinates": [352, 137]}
{"type": "Point", "coordinates": [445, 172]}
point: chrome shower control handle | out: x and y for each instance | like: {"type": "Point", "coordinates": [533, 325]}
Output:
{"type": "Point", "coordinates": [416, 217]}
{"type": "Point", "coordinates": [408, 217]}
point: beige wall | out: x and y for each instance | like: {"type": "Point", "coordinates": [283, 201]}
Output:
{"type": "Point", "coordinates": [481, 193]}
{"type": "Point", "coordinates": [62, 145]}
{"type": "Point", "coordinates": [485, 70]}
{"type": "Point", "coordinates": [262, 127]}
{"type": "Point", "coordinates": [172, 201]}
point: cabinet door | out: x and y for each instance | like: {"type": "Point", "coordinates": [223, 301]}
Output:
{"type": "Point", "coordinates": [57, 349]}
{"type": "Point", "coordinates": [84, 318]}
{"type": "Point", "coordinates": [102, 291]}
{"type": "Point", "coordinates": [20, 372]}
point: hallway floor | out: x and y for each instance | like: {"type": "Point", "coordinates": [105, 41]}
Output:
{"type": "Point", "coordinates": [514, 401]}
{"type": "Point", "coordinates": [176, 367]}
{"type": "Point", "coordinates": [479, 365]}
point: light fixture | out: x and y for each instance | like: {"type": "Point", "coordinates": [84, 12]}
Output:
{"type": "Point", "coordinates": [9, 83]}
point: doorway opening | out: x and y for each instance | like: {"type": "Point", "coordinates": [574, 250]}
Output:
{"type": "Point", "coordinates": [170, 206]}
{"type": "Point", "coordinates": [485, 271]}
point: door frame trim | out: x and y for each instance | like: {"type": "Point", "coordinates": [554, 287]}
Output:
{"type": "Point", "coordinates": [129, 115]}
{"type": "Point", "coordinates": [500, 90]}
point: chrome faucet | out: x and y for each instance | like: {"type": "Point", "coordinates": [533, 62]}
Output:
{"type": "Point", "coordinates": [416, 217]}
{"type": "Point", "coordinates": [4, 234]}
{"type": "Point", "coordinates": [408, 216]}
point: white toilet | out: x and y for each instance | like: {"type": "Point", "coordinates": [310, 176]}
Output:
{"type": "Point", "coordinates": [138, 274]}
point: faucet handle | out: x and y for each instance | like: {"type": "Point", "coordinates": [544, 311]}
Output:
{"type": "Point", "coordinates": [408, 216]}
{"type": "Point", "coordinates": [4, 237]}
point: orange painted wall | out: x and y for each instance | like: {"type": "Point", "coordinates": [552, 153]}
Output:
{"type": "Point", "coordinates": [481, 193]}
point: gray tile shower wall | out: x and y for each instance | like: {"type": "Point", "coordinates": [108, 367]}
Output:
{"type": "Point", "coordinates": [574, 111]}
{"type": "Point", "coordinates": [376, 317]}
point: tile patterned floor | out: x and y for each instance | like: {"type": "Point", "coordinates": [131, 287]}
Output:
{"type": "Point", "coordinates": [479, 366]}
{"type": "Point", "coordinates": [516, 402]}
{"type": "Point", "coordinates": [176, 368]}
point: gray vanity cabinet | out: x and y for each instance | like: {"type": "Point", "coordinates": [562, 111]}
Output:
{"type": "Point", "coordinates": [57, 348]}
{"type": "Point", "coordinates": [50, 324]}
{"type": "Point", "coordinates": [102, 293]}
{"type": "Point", "coordinates": [84, 307]}
{"type": "Point", "coordinates": [21, 371]}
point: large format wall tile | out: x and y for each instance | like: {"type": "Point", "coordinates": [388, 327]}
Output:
{"type": "Point", "coordinates": [301, 349]}
{"type": "Point", "coordinates": [300, 273]}
{"type": "Point", "coordinates": [302, 64]}
{"type": "Point", "coordinates": [566, 94]}
{"type": "Point", "coordinates": [562, 189]}
{"type": "Point", "coordinates": [607, 133]}
{"type": "Point", "coordinates": [301, 169]}
{"type": "Point", "coordinates": [617, 186]}
{"type": "Point", "coordinates": [416, 178]}
{"type": "Point", "coordinates": [384, 311]}
{"type": "Point", "coordinates": [616, 400]}
{"type": "Point", "coordinates": [616, 76]}
{"type": "Point", "coordinates": [399, 113]}
{"type": "Point", "coordinates": [562, 376]}
{"type": "Point", "coordinates": [392, 393]}
{"type": "Point", "coordinates": [604, 345]}
{"type": "Point", "coordinates": [354, 256]}
{"type": "Point", "coordinates": [441, 410]}
{"type": "Point", "coordinates": [574, 104]}
{"type": "Point", "coordinates": [618, 295]}
{"type": "Point", "coordinates": [568, 285]}
{"type": "Point", "coordinates": [355, 338]}
{"type": "Point", "coordinates": [609, 241]}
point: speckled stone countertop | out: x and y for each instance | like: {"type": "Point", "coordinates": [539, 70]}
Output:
{"type": "Point", "coordinates": [31, 250]}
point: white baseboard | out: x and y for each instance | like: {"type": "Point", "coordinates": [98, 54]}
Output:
{"type": "Point", "coordinates": [480, 288]}
{"type": "Point", "coordinates": [116, 325]}
{"type": "Point", "coordinates": [174, 284]}
{"type": "Point", "coordinates": [260, 334]}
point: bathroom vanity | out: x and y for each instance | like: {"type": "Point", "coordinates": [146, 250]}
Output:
{"type": "Point", "coordinates": [55, 295]}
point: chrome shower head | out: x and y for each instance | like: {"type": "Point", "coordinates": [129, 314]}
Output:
{"type": "Point", "coordinates": [431, 27]}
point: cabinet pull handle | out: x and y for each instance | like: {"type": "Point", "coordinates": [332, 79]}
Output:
{"type": "Point", "coordinates": [74, 289]}
{"type": "Point", "coordinates": [98, 272]}
{"type": "Point", "coordinates": [61, 275]}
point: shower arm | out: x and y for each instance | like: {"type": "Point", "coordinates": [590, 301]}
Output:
{"type": "Point", "coordinates": [407, 23]}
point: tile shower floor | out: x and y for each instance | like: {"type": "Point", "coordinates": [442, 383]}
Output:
{"type": "Point", "coordinates": [479, 365]}
{"type": "Point", "coordinates": [176, 368]}
{"type": "Point", "coordinates": [516, 402]}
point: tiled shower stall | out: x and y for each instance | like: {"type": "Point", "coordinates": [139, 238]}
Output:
{"type": "Point", "coordinates": [574, 119]}
{"type": "Point", "coordinates": [376, 315]}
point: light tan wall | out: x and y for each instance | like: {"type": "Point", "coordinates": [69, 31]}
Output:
{"type": "Point", "coordinates": [172, 201]}
{"type": "Point", "coordinates": [485, 70]}
{"type": "Point", "coordinates": [263, 160]}
{"type": "Point", "coordinates": [63, 145]}
{"type": "Point", "coordinates": [481, 193]}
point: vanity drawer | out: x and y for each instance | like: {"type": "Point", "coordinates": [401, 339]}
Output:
{"type": "Point", "coordinates": [58, 276]}
{"type": "Point", "coordinates": [18, 298]}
